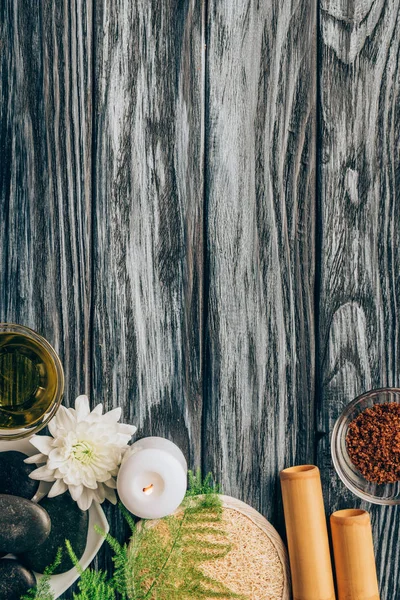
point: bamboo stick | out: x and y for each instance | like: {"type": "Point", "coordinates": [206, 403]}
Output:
{"type": "Point", "coordinates": [306, 528]}
{"type": "Point", "coordinates": [354, 555]}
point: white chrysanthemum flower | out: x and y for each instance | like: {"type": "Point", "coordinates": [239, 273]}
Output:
{"type": "Point", "coordinates": [84, 454]}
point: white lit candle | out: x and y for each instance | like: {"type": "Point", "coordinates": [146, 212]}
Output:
{"type": "Point", "coordinates": [152, 480]}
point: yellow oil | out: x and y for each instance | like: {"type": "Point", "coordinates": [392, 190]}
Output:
{"type": "Point", "coordinates": [28, 381]}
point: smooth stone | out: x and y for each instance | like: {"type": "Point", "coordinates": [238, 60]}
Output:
{"type": "Point", "coordinates": [14, 475]}
{"type": "Point", "coordinates": [15, 580]}
{"type": "Point", "coordinates": [69, 522]}
{"type": "Point", "coordinates": [23, 524]}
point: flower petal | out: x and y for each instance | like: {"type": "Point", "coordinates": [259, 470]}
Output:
{"type": "Point", "coordinates": [99, 494]}
{"type": "Point", "coordinates": [89, 480]}
{"type": "Point", "coordinates": [82, 408]}
{"type": "Point", "coordinates": [98, 410]}
{"type": "Point", "coordinates": [43, 443]}
{"type": "Point", "coordinates": [35, 459]}
{"type": "Point", "coordinates": [112, 416]}
{"type": "Point", "coordinates": [127, 429]}
{"type": "Point", "coordinates": [54, 464]}
{"type": "Point", "coordinates": [65, 419]}
{"type": "Point", "coordinates": [76, 491]}
{"type": "Point", "coordinates": [59, 487]}
{"type": "Point", "coordinates": [111, 483]}
{"type": "Point", "coordinates": [43, 474]}
{"type": "Point", "coordinates": [86, 499]}
{"type": "Point", "coordinates": [53, 427]}
{"type": "Point", "coordinates": [110, 495]}
{"type": "Point", "coordinates": [123, 439]}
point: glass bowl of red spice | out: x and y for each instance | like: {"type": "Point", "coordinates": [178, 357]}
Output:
{"type": "Point", "coordinates": [365, 446]}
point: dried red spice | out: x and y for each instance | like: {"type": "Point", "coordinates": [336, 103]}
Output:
{"type": "Point", "coordinates": [373, 443]}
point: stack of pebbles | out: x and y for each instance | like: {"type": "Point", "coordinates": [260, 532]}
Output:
{"type": "Point", "coordinates": [31, 532]}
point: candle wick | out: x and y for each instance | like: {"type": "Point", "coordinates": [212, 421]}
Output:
{"type": "Point", "coordinates": [148, 489]}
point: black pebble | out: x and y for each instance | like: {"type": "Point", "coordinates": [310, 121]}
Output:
{"type": "Point", "coordinates": [23, 524]}
{"type": "Point", "coordinates": [15, 579]}
{"type": "Point", "coordinates": [68, 521]}
{"type": "Point", "coordinates": [14, 475]}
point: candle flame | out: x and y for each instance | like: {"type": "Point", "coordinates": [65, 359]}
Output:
{"type": "Point", "coordinates": [148, 490]}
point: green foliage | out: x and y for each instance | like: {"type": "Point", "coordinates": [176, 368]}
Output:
{"type": "Point", "coordinates": [42, 591]}
{"type": "Point", "coordinates": [199, 486]}
{"type": "Point", "coordinates": [162, 562]}
{"type": "Point", "coordinates": [92, 585]}
{"type": "Point", "coordinates": [165, 562]}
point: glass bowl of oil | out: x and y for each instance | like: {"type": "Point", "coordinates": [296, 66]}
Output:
{"type": "Point", "coordinates": [31, 382]}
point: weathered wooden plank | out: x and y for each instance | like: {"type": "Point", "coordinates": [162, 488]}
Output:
{"type": "Point", "coordinates": [148, 227]}
{"type": "Point", "coordinates": [359, 179]}
{"type": "Point", "coordinates": [45, 176]}
{"type": "Point", "coordinates": [260, 174]}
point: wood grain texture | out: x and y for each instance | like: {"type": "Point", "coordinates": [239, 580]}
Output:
{"type": "Point", "coordinates": [260, 181]}
{"type": "Point", "coordinates": [159, 221]}
{"type": "Point", "coordinates": [45, 176]}
{"type": "Point", "coordinates": [359, 182]}
{"type": "Point", "coordinates": [148, 227]}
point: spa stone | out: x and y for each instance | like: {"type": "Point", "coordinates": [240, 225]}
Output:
{"type": "Point", "coordinates": [14, 475]}
{"type": "Point", "coordinates": [68, 521]}
{"type": "Point", "coordinates": [23, 524]}
{"type": "Point", "coordinates": [15, 580]}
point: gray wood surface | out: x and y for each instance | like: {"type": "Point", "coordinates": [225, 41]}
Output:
{"type": "Point", "coordinates": [148, 219]}
{"type": "Point", "coordinates": [359, 182]}
{"type": "Point", "coordinates": [198, 209]}
{"type": "Point", "coordinates": [260, 219]}
{"type": "Point", "coordinates": [45, 176]}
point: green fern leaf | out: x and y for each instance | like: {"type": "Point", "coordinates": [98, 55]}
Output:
{"type": "Point", "coordinates": [92, 585]}
{"type": "Point", "coordinates": [201, 487]}
{"type": "Point", "coordinates": [164, 561]}
{"type": "Point", "coordinates": [43, 591]}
